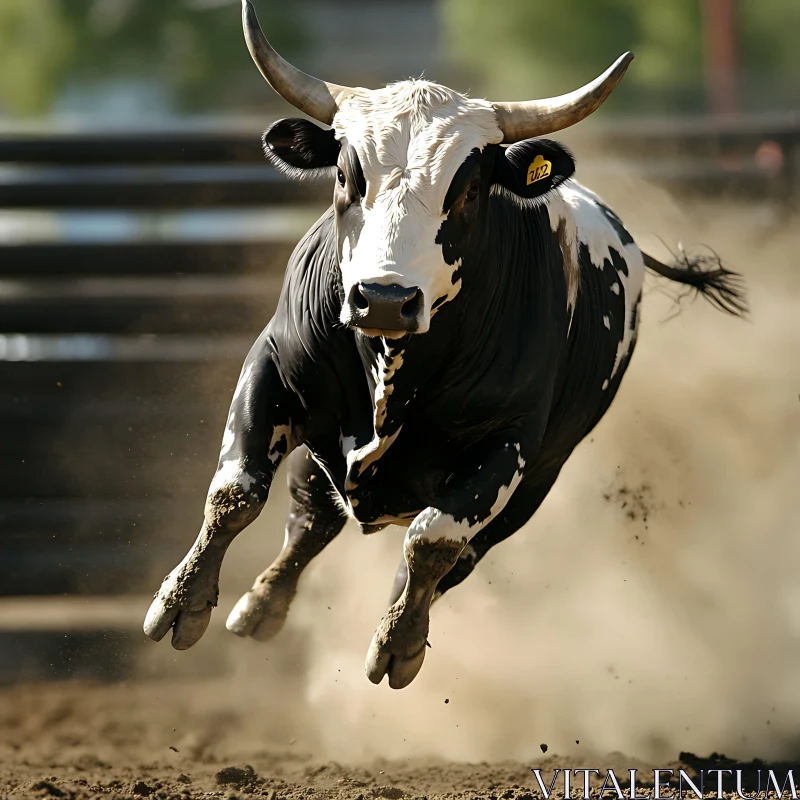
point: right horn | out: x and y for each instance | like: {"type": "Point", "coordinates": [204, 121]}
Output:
{"type": "Point", "coordinates": [316, 98]}
{"type": "Point", "coordinates": [524, 120]}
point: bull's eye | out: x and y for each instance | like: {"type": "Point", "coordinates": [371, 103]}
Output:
{"type": "Point", "coordinates": [472, 193]}
{"type": "Point", "coordinates": [340, 177]}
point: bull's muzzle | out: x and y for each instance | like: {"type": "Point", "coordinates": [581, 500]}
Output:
{"type": "Point", "coordinates": [373, 306]}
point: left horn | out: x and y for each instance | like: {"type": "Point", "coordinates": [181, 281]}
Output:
{"type": "Point", "coordinates": [314, 97]}
{"type": "Point", "coordinates": [520, 121]}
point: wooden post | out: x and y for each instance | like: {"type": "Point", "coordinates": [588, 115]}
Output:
{"type": "Point", "coordinates": [721, 56]}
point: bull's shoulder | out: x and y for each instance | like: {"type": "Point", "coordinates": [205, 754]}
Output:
{"type": "Point", "coordinates": [588, 221]}
{"type": "Point", "coordinates": [317, 355]}
{"type": "Point", "coordinates": [593, 239]}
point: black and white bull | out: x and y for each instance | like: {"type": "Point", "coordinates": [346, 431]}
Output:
{"type": "Point", "coordinates": [448, 332]}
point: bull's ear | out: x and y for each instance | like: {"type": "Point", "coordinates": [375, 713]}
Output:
{"type": "Point", "coordinates": [301, 149]}
{"type": "Point", "coordinates": [533, 167]}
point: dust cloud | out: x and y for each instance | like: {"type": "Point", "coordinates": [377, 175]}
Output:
{"type": "Point", "coordinates": [653, 603]}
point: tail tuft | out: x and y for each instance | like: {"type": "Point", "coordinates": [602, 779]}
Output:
{"type": "Point", "coordinates": [704, 274]}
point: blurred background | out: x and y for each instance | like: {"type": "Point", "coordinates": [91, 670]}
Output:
{"type": "Point", "coordinates": [653, 604]}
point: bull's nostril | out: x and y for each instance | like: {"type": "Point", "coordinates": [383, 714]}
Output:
{"type": "Point", "coordinates": [388, 307]}
{"type": "Point", "coordinates": [359, 301]}
{"type": "Point", "coordinates": [411, 307]}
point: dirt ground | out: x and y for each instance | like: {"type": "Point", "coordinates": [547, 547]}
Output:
{"type": "Point", "coordinates": [76, 740]}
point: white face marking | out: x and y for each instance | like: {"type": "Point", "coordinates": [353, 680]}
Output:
{"type": "Point", "coordinates": [410, 137]}
{"type": "Point", "coordinates": [606, 321]}
{"type": "Point", "coordinates": [578, 209]}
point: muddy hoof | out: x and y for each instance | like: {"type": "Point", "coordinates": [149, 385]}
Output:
{"type": "Point", "coordinates": [401, 670]}
{"type": "Point", "coordinates": [181, 605]}
{"type": "Point", "coordinates": [262, 612]}
{"type": "Point", "coordinates": [398, 647]}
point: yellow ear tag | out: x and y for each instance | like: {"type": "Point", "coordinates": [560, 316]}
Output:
{"type": "Point", "coordinates": [539, 169]}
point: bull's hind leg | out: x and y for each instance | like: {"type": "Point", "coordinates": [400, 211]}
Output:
{"type": "Point", "coordinates": [314, 521]}
{"type": "Point", "coordinates": [522, 506]}
{"type": "Point", "coordinates": [472, 498]}
{"type": "Point", "coordinates": [257, 437]}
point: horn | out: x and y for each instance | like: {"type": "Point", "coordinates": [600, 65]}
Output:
{"type": "Point", "coordinates": [520, 121]}
{"type": "Point", "coordinates": [314, 97]}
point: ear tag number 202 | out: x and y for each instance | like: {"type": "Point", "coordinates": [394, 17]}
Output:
{"type": "Point", "coordinates": [539, 169]}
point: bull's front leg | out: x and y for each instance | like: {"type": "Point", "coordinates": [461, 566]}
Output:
{"type": "Point", "coordinates": [257, 437]}
{"type": "Point", "coordinates": [432, 546]}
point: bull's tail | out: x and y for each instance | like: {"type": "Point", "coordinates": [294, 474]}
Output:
{"type": "Point", "coordinates": [705, 275]}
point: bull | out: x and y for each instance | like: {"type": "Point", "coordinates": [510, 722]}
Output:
{"type": "Point", "coordinates": [448, 331]}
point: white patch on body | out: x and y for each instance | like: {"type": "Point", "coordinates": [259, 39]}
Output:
{"type": "Point", "coordinates": [384, 371]}
{"type": "Point", "coordinates": [411, 137]}
{"type": "Point", "coordinates": [278, 432]}
{"type": "Point", "coordinates": [578, 209]}
{"type": "Point", "coordinates": [367, 455]}
{"type": "Point", "coordinates": [606, 321]}
{"type": "Point", "coordinates": [346, 443]}
{"type": "Point", "coordinates": [433, 525]}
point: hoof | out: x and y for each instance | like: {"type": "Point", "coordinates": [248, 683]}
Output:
{"type": "Point", "coordinates": [182, 607]}
{"type": "Point", "coordinates": [261, 613]}
{"type": "Point", "coordinates": [398, 647]}
{"type": "Point", "coordinates": [187, 625]}
{"type": "Point", "coordinates": [400, 669]}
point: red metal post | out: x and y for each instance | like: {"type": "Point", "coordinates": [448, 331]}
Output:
{"type": "Point", "coordinates": [722, 56]}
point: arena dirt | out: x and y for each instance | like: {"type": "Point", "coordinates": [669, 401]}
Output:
{"type": "Point", "coordinates": [79, 741]}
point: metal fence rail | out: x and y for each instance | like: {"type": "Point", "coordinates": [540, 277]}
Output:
{"type": "Point", "coordinates": [135, 271]}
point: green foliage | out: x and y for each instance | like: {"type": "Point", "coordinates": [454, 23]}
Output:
{"type": "Point", "coordinates": [526, 48]}
{"type": "Point", "coordinates": [36, 45]}
{"type": "Point", "coordinates": [771, 51]}
{"type": "Point", "coordinates": [193, 48]}
{"type": "Point", "coordinates": [506, 49]}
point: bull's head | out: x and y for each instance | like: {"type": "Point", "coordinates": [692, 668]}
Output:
{"type": "Point", "coordinates": [414, 163]}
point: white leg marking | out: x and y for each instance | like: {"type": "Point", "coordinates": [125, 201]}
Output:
{"type": "Point", "coordinates": [230, 473]}
{"type": "Point", "coordinates": [229, 437]}
{"type": "Point", "coordinates": [432, 525]}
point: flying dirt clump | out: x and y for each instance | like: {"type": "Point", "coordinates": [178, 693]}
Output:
{"type": "Point", "coordinates": [636, 501]}
{"type": "Point", "coordinates": [243, 777]}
